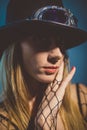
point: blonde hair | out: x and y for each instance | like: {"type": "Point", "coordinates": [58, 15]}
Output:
{"type": "Point", "coordinates": [17, 94]}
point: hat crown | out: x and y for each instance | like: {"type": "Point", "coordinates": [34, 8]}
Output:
{"type": "Point", "coordinates": [19, 9]}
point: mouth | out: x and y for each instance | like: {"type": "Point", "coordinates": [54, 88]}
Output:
{"type": "Point", "coordinates": [50, 69]}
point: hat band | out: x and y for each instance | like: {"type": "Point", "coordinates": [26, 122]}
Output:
{"type": "Point", "coordinates": [55, 14]}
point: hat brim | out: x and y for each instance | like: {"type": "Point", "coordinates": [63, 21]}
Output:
{"type": "Point", "coordinates": [72, 36]}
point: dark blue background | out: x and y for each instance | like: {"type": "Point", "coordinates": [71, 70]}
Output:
{"type": "Point", "coordinates": [78, 55]}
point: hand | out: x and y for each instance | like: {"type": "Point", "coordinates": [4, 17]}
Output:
{"type": "Point", "coordinates": [47, 113]}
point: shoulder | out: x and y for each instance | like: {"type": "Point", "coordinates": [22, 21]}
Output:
{"type": "Point", "coordinates": [79, 95]}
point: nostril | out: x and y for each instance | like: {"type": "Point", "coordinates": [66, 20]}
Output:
{"type": "Point", "coordinates": [53, 60]}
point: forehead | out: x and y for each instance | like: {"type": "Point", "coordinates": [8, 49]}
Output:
{"type": "Point", "coordinates": [44, 41]}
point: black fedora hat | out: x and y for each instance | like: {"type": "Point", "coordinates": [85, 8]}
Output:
{"type": "Point", "coordinates": [32, 16]}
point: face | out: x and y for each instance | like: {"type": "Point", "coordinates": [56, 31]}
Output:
{"type": "Point", "coordinates": [42, 57]}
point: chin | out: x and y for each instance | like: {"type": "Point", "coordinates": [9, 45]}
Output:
{"type": "Point", "coordinates": [46, 79]}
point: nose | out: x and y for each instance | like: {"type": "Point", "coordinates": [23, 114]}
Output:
{"type": "Point", "coordinates": [54, 55]}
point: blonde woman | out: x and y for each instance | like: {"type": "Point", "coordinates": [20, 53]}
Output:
{"type": "Point", "coordinates": [36, 81]}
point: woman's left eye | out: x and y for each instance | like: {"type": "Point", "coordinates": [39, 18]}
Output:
{"type": "Point", "coordinates": [45, 40]}
{"type": "Point", "coordinates": [42, 42]}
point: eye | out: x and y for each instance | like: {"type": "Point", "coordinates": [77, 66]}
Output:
{"type": "Point", "coordinates": [45, 40]}
{"type": "Point", "coordinates": [41, 42]}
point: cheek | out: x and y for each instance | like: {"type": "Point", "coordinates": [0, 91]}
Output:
{"type": "Point", "coordinates": [32, 61]}
{"type": "Point", "coordinates": [33, 66]}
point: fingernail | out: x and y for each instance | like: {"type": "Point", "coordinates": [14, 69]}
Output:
{"type": "Point", "coordinates": [73, 67]}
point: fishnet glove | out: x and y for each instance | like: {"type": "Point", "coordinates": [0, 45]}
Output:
{"type": "Point", "coordinates": [46, 118]}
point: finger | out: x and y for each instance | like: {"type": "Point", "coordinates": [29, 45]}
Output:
{"type": "Point", "coordinates": [59, 76]}
{"type": "Point", "coordinates": [69, 77]}
{"type": "Point", "coordinates": [65, 82]}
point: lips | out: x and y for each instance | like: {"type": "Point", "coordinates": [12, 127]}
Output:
{"type": "Point", "coordinates": [50, 69]}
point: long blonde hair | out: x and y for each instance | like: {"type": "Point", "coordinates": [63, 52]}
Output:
{"type": "Point", "coordinates": [17, 94]}
{"type": "Point", "coordinates": [13, 82]}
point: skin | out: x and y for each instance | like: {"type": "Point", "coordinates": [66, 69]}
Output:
{"type": "Point", "coordinates": [37, 54]}
{"type": "Point", "coordinates": [35, 58]}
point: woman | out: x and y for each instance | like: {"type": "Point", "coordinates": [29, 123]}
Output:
{"type": "Point", "coordinates": [34, 71]}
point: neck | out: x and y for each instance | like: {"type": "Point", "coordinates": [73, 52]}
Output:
{"type": "Point", "coordinates": [36, 88]}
